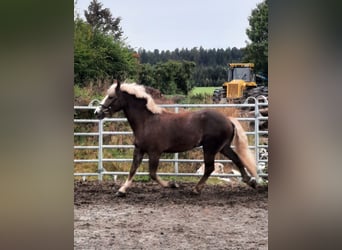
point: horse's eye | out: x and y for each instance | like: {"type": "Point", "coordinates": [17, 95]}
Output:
{"type": "Point", "coordinates": [110, 97]}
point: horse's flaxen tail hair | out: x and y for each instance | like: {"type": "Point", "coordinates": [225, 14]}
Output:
{"type": "Point", "coordinates": [240, 141]}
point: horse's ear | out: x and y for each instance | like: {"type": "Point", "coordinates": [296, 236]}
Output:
{"type": "Point", "coordinates": [118, 85]}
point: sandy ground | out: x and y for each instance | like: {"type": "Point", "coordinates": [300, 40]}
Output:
{"type": "Point", "coordinates": [230, 216]}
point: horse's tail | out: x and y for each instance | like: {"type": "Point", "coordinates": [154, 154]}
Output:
{"type": "Point", "coordinates": [240, 141]}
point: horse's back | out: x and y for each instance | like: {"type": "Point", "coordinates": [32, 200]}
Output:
{"type": "Point", "coordinates": [206, 120]}
{"type": "Point", "coordinates": [215, 121]}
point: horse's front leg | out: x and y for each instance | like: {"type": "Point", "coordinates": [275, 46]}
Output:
{"type": "Point", "coordinates": [153, 166]}
{"type": "Point", "coordinates": [137, 158]}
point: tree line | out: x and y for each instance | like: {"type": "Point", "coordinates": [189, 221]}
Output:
{"type": "Point", "coordinates": [101, 54]}
{"type": "Point", "coordinates": [210, 65]}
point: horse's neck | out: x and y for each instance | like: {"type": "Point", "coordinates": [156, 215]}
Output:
{"type": "Point", "coordinates": [136, 116]}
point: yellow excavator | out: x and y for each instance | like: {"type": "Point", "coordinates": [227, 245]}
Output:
{"type": "Point", "coordinates": [241, 84]}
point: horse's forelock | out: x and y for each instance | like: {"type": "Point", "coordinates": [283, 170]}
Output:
{"type": "Point", "coordinates": [140, 92]}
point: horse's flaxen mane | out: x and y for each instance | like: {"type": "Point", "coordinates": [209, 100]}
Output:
{"type": "Point", "coordinates": [139, 92]}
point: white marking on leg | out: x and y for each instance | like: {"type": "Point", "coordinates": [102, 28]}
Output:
{"type": "Point", "coordinates": [162, 182]}
{"type": "Point", "coordinates": [124, 187]}
{"type": "Point", "coordinates": [259, 180]}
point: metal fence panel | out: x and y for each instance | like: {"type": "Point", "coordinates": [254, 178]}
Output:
{"type": "Point", "coordinates": [100, 146]}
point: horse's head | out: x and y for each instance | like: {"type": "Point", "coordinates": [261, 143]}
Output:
{"type": "Point", "coordinates": [111, 103]}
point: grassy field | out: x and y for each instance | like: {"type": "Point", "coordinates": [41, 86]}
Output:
{"type": "Point", "coordinates": [202, 90]}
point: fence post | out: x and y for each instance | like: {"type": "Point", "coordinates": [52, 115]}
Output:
{"type": "Point", "coordinates": [176, 154]}
{"type": "Point", "coordinates": [256, 125]}
{"type": "Point", "coordinates": [100, 156]}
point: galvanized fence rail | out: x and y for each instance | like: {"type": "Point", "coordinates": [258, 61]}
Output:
{"type": "Point", "coordinates": [101, 171]}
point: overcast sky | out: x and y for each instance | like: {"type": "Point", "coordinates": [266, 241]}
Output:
{"type": "Point", "coordinates": [171, 24]}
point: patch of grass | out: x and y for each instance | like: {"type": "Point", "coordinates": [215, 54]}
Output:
{"type": "Point", "coordinates": [199, 95]}
{"type": "Point", "coordinates": [142, 178]}
{"type": "Point", "coordinates": [84, 95]}
{"type": "Point", "coordinates": [202, 90]}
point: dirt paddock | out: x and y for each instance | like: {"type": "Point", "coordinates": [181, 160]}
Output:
{"type": "Point", "coordinates": [150, 217]}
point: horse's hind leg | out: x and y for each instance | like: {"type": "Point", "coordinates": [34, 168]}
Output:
{"type": "Point", "coordinates": [137, 158]}
{"type": "Point", "coordinates": [209, 160]}
{"type": "Point", "coordinates": [153, 166]}
{"type": "Point", "coordinates": [229, 152]}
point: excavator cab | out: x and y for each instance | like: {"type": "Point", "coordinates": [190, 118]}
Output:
{"type": "Point", "coordinates": [241, 76]}
{"type": "Point", "coordinates": [240, 85]}
{"type": "Point", "coordinates": [241, 72]}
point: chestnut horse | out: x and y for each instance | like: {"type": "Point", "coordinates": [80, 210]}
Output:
{"type": "Point", "coordinates": [157, 131]}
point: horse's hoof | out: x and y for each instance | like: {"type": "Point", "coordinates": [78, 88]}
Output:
{"type": "Point", "coordinates": [173, 185]}
{"type": "Point", "coordinates": [252, 182]}
{"type": "Point", "coordinates": [120, 194]}
{"type": "Point", "coordinates": [195, 192]}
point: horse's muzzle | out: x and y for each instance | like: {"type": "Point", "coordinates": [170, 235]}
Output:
{"type": "Point", "coordinates": [99, 113]}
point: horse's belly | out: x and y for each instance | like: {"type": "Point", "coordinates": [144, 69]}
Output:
{"type": "Point", "coordinates": [178, 149]}
{"type": "Point", "coordinates": [181, 145]}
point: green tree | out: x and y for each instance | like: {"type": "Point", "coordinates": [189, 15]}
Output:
{"type": "Point", "coordinates": [257, 50]}
{"type": "Point", "coordinates": [84, 55]}
{"type": "Point", "coordinates": [171, 77]}
{"type": "Point", "coordinates": [113, 59]}
{"type": "Point", "coordinates": [183, 76]}
{"type": "Point", "coordinates": [164, 77]}
{"type": "Point", "coordinates": [146, 75]}
{"type": "Point", "coordinates": [99, 52]}
{"type": "Point", "coordinates": [99, 57]}
{"type": "Point", "coordinates": [102, 20]}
